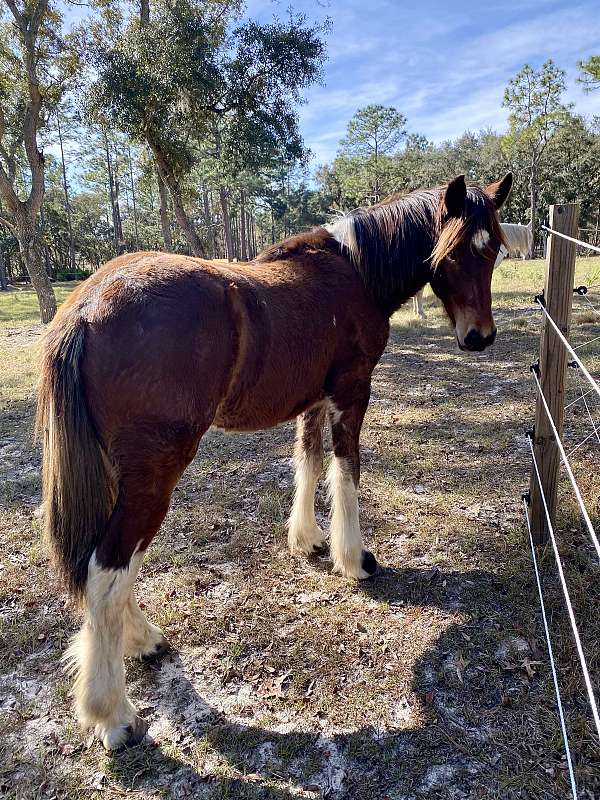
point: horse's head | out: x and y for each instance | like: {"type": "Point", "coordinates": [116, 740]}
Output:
{"type": "Point", "coordinates": [469, 238]}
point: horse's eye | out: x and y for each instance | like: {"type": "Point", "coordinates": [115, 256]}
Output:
{"type": "Point", "coordinates": [452, 255]}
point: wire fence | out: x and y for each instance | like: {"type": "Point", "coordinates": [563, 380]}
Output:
{"type": "Point", "coordinates": [587, 388]}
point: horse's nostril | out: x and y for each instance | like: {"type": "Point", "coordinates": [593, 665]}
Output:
{"type": "Point", "coordinates": [475, 341]}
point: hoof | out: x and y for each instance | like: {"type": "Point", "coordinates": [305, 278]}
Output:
{"type": "Point", "coordinates": [320, 549]}
{"type": "Point", "coordinates": [124, 735]}
{"type": "Point", "coordinates": [157, 652]}
{"type": "Point", "coordinates": [368, 564]}
{"type": "Point", "coordinates": [308, 541]}
{"type": "Point", "coordinates": [135, 732]}
{"type": "Point", "coordinates": [358, 571]}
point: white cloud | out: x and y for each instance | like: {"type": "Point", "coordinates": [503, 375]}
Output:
{"type": "Point", "coordinates": [443, 73]}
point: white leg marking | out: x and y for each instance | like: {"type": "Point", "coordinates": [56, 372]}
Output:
{"type": "Point", "coordinates": [346, 540]}
{"type": "Point", "coordinates": [141, 639]}
{"type": "Point", "coordinates": [96, 657]}
{"type": "Point", "coordinates": [304, 535]}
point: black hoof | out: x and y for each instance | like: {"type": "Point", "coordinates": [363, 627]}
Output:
{"type": "Point", "coordinates": [135, 732]}
{"type": "Point", "coordinates": [369, 563]}
{"type": "Point", "coordinates": [320, 549]}
{"type": "Point", "coordinates": [159, 650]}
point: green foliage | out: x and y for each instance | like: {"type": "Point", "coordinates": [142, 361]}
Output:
{"type": "Point", "coordinates": [365, 156]}
{"type": "Point", "coordinates": [374, 129]}
{"type": "Point", "coordinates": [188, 75]}
{"type": "Point", "coordinates": [217, 96]}
{"type": "Point", "coordinates": [590, 73]}
{"type": "Point", "coordinates": [534, 98]}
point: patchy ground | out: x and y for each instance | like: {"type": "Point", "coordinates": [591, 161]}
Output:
{"type": "Point", "coordinates": [430, 681]}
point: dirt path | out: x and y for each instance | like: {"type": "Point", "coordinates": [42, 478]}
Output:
{"type": "Point", "coordinates": [286, 681]}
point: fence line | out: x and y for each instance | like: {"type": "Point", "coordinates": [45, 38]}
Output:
{"type": "Point", "coordinates": [556, 303]}
{"type": "Point", "coordinates": [587, 408]}
{"type": "Point", "coordinates": [565, 461]}
{"type": "Point", "coordinates": [571, 613]}
{"type": "Point", "coordinates": [563, 339]}
{"type": "Point", "coordinates": [571, 239]}
{"type": "Point", "coordinates": [561, 714]}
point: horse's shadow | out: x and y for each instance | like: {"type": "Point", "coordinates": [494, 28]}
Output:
{"type": "Point", "coordinates": [423, 758]}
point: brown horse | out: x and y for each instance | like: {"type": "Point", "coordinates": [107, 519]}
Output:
{"type": "Point", "coordinates": [155, 348]}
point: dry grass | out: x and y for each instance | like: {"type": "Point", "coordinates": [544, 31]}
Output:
{"type": "Point", "coordinates": [430, 681]}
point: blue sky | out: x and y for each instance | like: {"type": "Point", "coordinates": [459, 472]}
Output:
{"type": "Point", "coordinates": [444, 65]}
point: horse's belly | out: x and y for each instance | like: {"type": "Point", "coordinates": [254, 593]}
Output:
{"type": "Point", "coordinates": [265, 407]}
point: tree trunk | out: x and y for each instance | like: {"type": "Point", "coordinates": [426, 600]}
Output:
{"type": "Point", "coordinates": [144, 13]}
{"type": "Point", "coordinates": [164, 212]}
{"type": "Point", "coordinates": [67, 202]}
{"type": "Point", "coordinates": [235, 229]}
{"type": "Point", "coordinates": [135, 219]}
{"type": "Point", "coordinates": [31, 250]}
{"type": "Point", "coordinates": [226, 222]}
{"type": "Point", "coordinates": [118, 219]}
{"type": "Point", "coordinates": [3, 278]}
{"type": "Point", "coordinates": [172, 184]}
{"type": "Point", "coordinates": [208, 222]}
{"type": "Point", "coordinates": [111, 192]}
{"type": "Point", "coordinates": [253, 229]}
{"type": "Point", "coordinates": [243, 235]}
{"type": "Point", "coordinates": [186, 224]}
{"type": "Point", "coordinates": [533, 189]}
{"type": "Point", "coordinates": [45, 250]}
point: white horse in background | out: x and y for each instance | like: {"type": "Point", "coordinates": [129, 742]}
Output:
{"type": "Point", "coordinates": [519, 239]}
{"type": "Point", "coordinates": [519, 242]}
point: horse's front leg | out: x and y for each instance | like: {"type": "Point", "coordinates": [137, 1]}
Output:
{"type": "Point", "coordinates": [349, 557]}
{"type": "Point", "coordinates": [304, 535]}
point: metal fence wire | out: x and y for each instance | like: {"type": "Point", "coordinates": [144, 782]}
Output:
{"type": "Point", "coordinates": [588, 387]}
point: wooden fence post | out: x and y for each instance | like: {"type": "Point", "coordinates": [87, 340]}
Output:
{"type": "Point", "coordinates": [558, 297]}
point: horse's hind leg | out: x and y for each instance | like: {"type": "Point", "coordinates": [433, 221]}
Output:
{"type": "Point", "coordinates": [97, 652]}
{"type": "Point", "coordinates": [304, 535]}
{"type": "Point", "coordinates": [96, 656]}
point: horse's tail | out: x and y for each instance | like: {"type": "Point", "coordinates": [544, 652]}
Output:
{"type": "Point", "coordinates": [78, 482]}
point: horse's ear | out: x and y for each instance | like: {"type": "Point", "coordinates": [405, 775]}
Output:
{"type": "Point", "coordinates": [455, 197]}
{"type": "Point", "coordinates": [500, 191]}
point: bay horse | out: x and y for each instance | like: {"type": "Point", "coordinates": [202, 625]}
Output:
{"type": "Point", "coordinates": [155, 348]}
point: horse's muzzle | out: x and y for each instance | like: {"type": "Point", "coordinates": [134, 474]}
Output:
{"type": "Point", "coordinates": [475, 342]}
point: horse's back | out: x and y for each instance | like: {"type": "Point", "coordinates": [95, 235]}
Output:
{"type": "Point", "coordinates": [160, 340]}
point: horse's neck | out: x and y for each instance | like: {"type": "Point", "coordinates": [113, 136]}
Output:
{"type": "Point", "coordinates": [413, 266]}
{"type": "Point", "coordinates": [394, 266]}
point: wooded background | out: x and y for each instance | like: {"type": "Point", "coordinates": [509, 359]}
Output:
{"type": "Point", "coordinates": [173, 125]}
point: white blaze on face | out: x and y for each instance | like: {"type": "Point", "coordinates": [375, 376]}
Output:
{"type": "Point", "coordinates": [466, 319]}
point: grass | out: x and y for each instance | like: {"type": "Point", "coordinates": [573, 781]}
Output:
{"type": "Point", "coordinates": [286, 681]}
{"type": "Point", "coordinates": [19, 306]}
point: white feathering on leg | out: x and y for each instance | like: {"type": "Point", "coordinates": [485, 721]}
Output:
{"type": "Point", "coordinates": [346, 539]}
{"type": "Point", "coordinates": [95, 656]}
